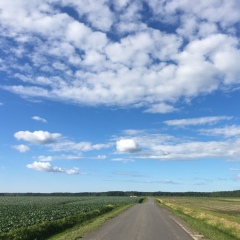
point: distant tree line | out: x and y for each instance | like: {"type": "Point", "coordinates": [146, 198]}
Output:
{"type": "Point", "coordinates": [235, 193]}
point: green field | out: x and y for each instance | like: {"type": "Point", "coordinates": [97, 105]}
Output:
{"type": "Point", "coordinates": [31, 217]}
{"type": "Point", "coordinates": [215, 218]}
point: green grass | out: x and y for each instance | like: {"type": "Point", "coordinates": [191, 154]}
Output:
{"type": "Point", "coordinates": [42, 217]}
{"type": "Point", "coordinates": [82, 229]}
{"type": "Point", "coordinates": [208, 216]}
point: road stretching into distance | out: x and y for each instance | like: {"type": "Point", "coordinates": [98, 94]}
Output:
{"type": "Point", "coordinates": [145, 221]}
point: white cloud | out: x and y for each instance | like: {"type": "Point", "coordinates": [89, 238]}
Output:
{"type": "Point", "coordinates": [161, 108]}
{"type": "Point", "coordinates": [98, 13]}
{"type": "Point", "coordinates": [67, 145]}
{"type": "Point", "coordinates": [111, 54]}
{"type": "Point", "coordinates": [214, 11]}
{"type": "Point", "coordinates": [129, 174]}
{"type": "Point", "coordinates": [74, 171]}
{"type": "Point", "coordinates": [133, 132]}
{"type": "Point", "coordinates": [69, 157]}
{"type": "Point", "coordinates": [193, 150]}
{"type": "Point", "coordinates": [1, 104]}
{"type": "Point", "coordinates": [21, 148]}
{"type": "Point", "coordinates": [169, 148]}
{"type": "Point", "coordinates": [229, 131]}
{"type": "Point", "coordinates": [44, 167]}
{"type": "Point", "coordinates": [57, 143]}
{"type": "Point", "coordinates": [37, 118]}
{"type": "Point", "coordinates": [124, 160]}
{"type": "Point", "coordinates": [196, 121]}
{"type": "Point", "coordinates": [57, 157]}
{"type": "Point", "coordinates": [47, 167]}
{"type": "Point", "coordinates": [234, 169]}
{"type": "Point", "coordinates": [121, 3]}
{"type": "Point", "coordinates": [127, 146]}
{"type": "Point", "coordinates": [38, 137]}
{"type": "Point", "coordinates": [45, 158]}
{"type": "Point", "coordinates": [101, 157]}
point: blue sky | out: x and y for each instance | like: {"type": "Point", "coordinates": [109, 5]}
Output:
{"type": "Point", "coordinates": [119, 95]}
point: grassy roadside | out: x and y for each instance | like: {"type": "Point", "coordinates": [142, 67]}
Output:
{"type": "Point", "coordinates": [82, 229]}
{"type": "Point", "coordinates": [214, 226]}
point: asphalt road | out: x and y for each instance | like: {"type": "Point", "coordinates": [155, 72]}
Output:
{"type": "Point", "coordinates": [141, 222]}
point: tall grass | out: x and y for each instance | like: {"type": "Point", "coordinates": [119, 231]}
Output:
{"type": "Point", "coordinates": [218, 226]}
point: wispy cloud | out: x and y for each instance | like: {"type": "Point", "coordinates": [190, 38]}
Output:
{"type": "Point", "coordinates": [129, 174]}
{"type": "Point", "coordinates": [161, 108]}
{"type": "Point", "coordinates": [37, 118]}
{"type": "Point", "coordinates": [71, 146]}
{"type": "Point", "coordinates": [196, 121]}
{"type": "Point", "coordinates": [124, 160]}
{"type": "Point", "coordinates": [22, 148]}
{"type": "Point", "coordinates": [234, 169]}
{"type": "Point", "coordinates": [229, 131]}
{"type": "Point", "coordinates": [167, 181]}
{"type": "Point", "coordinates": [45, 158]}
{"type": "Point", "coordinates": [169, 148]}
{"type": "Point", "coordinates": [58, 157]}
{"type": "Point", "coordinates": [101, 157]}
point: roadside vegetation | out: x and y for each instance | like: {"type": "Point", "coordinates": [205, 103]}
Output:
{"type": "Point", "coordinates": [28, 217]}
{"type": "Point", "coordinates": [215, 218]}
{"type": "Point", "coordinates": [82, 229]}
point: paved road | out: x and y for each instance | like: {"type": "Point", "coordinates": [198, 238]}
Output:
{"type": "Point", "coordinates": [141, 222]}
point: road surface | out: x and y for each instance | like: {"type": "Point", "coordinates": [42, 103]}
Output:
{"type": "Point", "coordinates": [141, 222]}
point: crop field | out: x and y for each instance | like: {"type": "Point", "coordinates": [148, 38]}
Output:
{"type": "Point", "coordinates": [30, 217]}
{"type": "Point", "coordinates": [219, 218]}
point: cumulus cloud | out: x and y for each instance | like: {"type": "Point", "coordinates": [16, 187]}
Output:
{"type": "Point", "coordinates": [112, 55]}
{"type": "Point", "coordinates": [127, 146]}
{"type": "Point", "coordinates": [47, 167]}
{"type": "Point", "coordinates": [21, 148]}
{"type": "Point", "coordinates": [196, 121]}
{"type": "Point", "coordinates": [38, 137]}
{"type": "Point", "coordinates": [44, 167]}
{"type": "Point", "coordinates": [57, 143]}
{"type": "Point", "coordinates": [37, 118]}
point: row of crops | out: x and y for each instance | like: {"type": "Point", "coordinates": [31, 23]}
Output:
{"type": "Point", "coordinates": [20, 215]}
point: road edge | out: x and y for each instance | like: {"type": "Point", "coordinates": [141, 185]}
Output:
{"type": "Point", "coordinates": [183, 225]}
